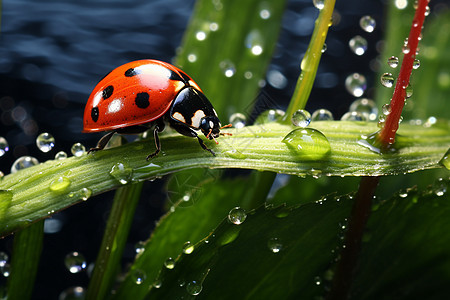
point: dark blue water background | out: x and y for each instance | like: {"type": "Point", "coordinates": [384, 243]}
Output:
{"type": "Point", "coordinates": [52, 53]}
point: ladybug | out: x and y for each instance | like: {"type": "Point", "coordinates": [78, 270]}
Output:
{"type": "Point", "coordinates": [149, 93]}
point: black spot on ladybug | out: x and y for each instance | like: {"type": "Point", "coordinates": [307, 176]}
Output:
{"type": "Point", "coordinates": [107, 92]}
{"type": "Point", "coordinates": [94, 114]}
{"type": "Point", "coordinates": [175, 76]}
{"type": "Point", "coordinates": [185, 76]}
{"type": "Point", "coordinates": [131, 72]}
{"type": "Point", "coordinates": [142, 100]}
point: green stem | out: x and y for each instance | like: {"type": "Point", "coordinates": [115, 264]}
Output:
{"type": "Point", "coordinates": [310, 62]}
{"type": "Point", "coordinates": [113, 243]}
{"type": "Point", "coordinates": [258, 189]}
{"type": "Point", "coordinates": [257, 147]}
{"type": "Point", "coordinates": [25, 261]}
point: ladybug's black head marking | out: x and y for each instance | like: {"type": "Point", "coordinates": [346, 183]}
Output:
{"type": "Point", "coordinates": [210, 126]}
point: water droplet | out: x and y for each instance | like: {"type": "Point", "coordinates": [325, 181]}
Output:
{"type": "Point", "coordinates": [409, 91]}
{"type": "Point", "coordinates": [403, 194]}
{"type": "Point", "coordinates": [268, 116]}
{"type": "Point", "coordinates": [317, 280]}
{"type": "Point", "coordinates": [324, 48]}
{"type": "Point", "coordinates": [387, 80]}
{"type": "Point", "coordinates": [370, 142]}
{"type": "Point", "coordinates": [4, 147]}
{"type": "Point", "coordinates": [308, 143]}
{"type": "Point", "coordinates": [322, 115]}
{"type": "Point", "coordinates": [73, 293]}
{"type": "Point", "coordinates": [227, 67]}
{"type": "Point", "coordinates": [276, 79]}
{"type": "Point", "coordinates": [354, 116]}
{"type": "Point", "coordinates": [139, 277]}
{"type": "Point", "coordinates": [365, 106]}
{"type": "Point", "coordinates": [6, 270]}
{"type": "Point", "coordinates": [301, 118]}
{"type": "Point", "coordinates": [401, 4]}
{"type": "Point", "coordinates": [238, 120]}
{"type": "Point", "coordinates": [416, 64]}
{"type": "Point", "coordinates": [405, 48]}
{"type": "Point", "coordinates": [254, 42]}
{"type": "Point", "coordinates": [194, 287]}
{"type": "Point", "coordinates": [139, 247]}
{"type": "Point", "coordinates": [213, 26]}
{"type": "Point", "coordinates": [169, 263]}
{"type": "Point", "coordinates": [157, 284]}
{"type": "Point", "coordinates": [121, 172]}
{"type": "Point", "coordinates": [440, 187]}
{"type": "Point", "coordinates": [430, 121]}
{"type": "Point", "coordinates": [275, 245]}
{"type": "Point", "coordinates": [60, 184]}
{"type": "Point", "coordinates": [218, 5]}
{"type": "Point", "coordinates": [85, 193]}
{"type": "Point", "coordinates": [234, 153]}
{"type": "Point", "coordinates": [78, 149]}
{"type": "Point", "coordinates": [386, 108]}
{"type": "Point", "coordinates": [191, 57]}
{"type": "Point", "coordinates": [188, 248]}
{"type": "Point", "coordinates": [367, 23]}
{"type": "Point", "coordinates": [237, 215]}
{"type": "Point", "coordinates": [319, 4]}
{"type": "Point", "coordinates": [356, 84]}
{"type": "Point", "coordinates": [45, 142]}
{"type": "Point", "coordinates": [427, 11]}
{"type": "Point", "coordinates": [60, 155]}
{"type": "Point", "coordinates": [393, 62]}
{"type": "Point", "coordinates": [23, 163]}
{"type": "Point", "coordinates": [445, 161]}
{"type": "Point", "coordinates": [264, 14]}
{"type": "Point", "coordinates": [200, 35]}
{"type": "Point", "coordinates": [75, 262]}
{"type": "Point", "coordinates": [3, 259]}
{"type": "Point", "coordinates": [358, 45]}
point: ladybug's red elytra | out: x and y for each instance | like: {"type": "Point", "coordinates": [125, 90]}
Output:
{"type": "Point", "coordinates": [145, 93]}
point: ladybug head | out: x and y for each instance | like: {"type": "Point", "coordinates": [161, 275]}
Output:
{"type": "Point", "coordinates": [210, 126]}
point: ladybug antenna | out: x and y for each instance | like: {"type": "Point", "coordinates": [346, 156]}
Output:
{"type": "Point", "coordinates": [207, 136]}
{"type": "Point", "coordinates": [226, 126]}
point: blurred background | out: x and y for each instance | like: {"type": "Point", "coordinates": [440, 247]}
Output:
{"type": "Point", "coordinates": [53, 53]}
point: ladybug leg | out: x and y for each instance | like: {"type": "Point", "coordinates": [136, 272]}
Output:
{"type": "Point", "coordinates": [158, 128]}
{"type": "Point", "coordinates": [102, 142]}
{"type": "Point", "coordinates": [202, 144]}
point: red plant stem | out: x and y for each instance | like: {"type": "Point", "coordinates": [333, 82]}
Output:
{"type": "Point", "coordinates": [345, 269]}
{"type": "Point", "coordinates": [387, 133]}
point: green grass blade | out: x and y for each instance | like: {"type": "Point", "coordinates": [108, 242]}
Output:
{"type": "Point", "coordinates": [310, 62]}
{"type": "Point", "coordinates": [25, 261]}
{"type": "Point", "coordinates": [109, 257]}
{"type": "Point", "coordinates": [28, 195]}
{"type": "Point", "coordinates": [227, 48]}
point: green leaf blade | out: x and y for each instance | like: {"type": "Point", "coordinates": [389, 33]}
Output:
{"type": "Point", "coordinates": [259, 147]}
